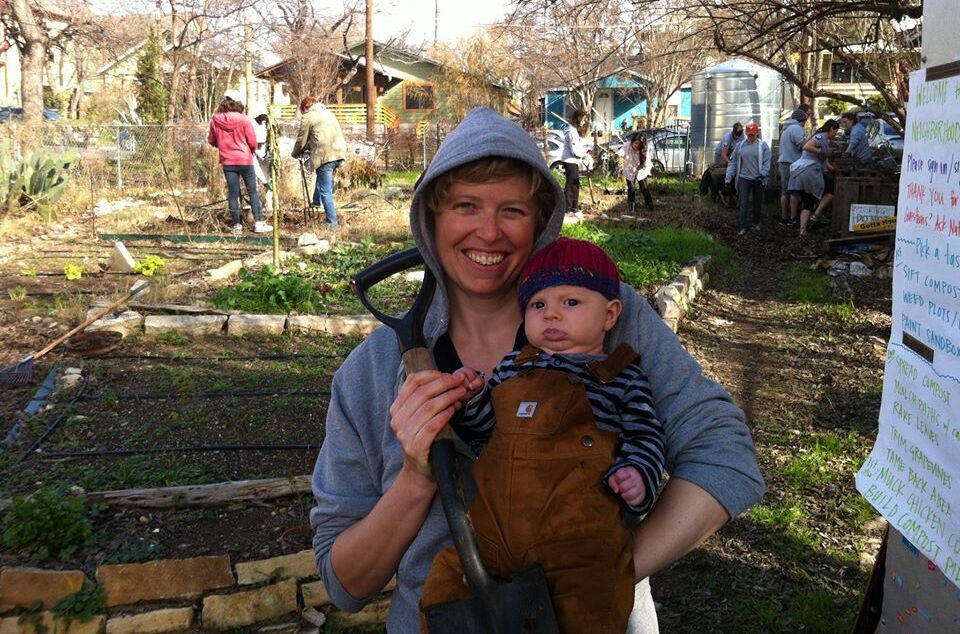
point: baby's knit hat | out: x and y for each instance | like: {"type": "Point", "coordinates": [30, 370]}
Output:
{"type": "Point", "coordinates": [566, 261]}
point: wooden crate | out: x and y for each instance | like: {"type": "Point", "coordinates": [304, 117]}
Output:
{"type": "Point", "coordinates": [866, 190]}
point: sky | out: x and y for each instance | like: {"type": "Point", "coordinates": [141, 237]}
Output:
{"type": "Point", "coordinates": [458, 18]}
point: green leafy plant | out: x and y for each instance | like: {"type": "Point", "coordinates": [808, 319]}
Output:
{"type": "Point", "coordinates": [49, 523]}
{"type": "Point", "coordinates": [81, 606]}
{"type": "Point", "coordinates": [73, 271]}
{"type": "Point", "coordinates": [136, 550]}
{"type": "Point", "coordinates": [173, 338]}
{"type": "Point", "coordinates": [150, 266]}
{"type": "Point", "coordinates": [269, 291]}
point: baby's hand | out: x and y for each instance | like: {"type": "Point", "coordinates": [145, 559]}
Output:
{"type": "Point", "coordinates": [472, 382]}
{"type": "Point", "coordinates": [626, 482]}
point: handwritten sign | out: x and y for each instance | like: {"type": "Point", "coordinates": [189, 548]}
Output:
{"type": "Point", "coordinates": [912, 475]}
{"type": "Point", "coordinates": [865, 218]}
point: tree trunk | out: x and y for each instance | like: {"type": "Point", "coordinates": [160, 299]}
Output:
{"type": "Point", "coordinates": [33, 54]}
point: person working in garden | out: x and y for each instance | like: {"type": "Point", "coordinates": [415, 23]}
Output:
{"type": "Point", "coordinates": [807, 174]}
{"type": "Point", "coordinates": [747, 172]}
{"type": "Point", "coordinates": [570, 430]}
{"type": "Point", "coordinates": [486, 203]}
{"type": "Point", "coordinates": [637, 166]}
{"type": "Point", "coordinates": [572, 157]}
{"type": "Point", "coordinates": [792, 139]}
{"type": "Point", "coordinates": [232, 133]}
{"type": "Point", "coordinates": [858, 148]}
{"type": "Point", "coordinates": [321, 136]}
{"type": "Point", "coordinates": [724, 150]}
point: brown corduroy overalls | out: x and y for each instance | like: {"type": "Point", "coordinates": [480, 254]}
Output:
{"type": "Point", "coordinates": [541, 499]}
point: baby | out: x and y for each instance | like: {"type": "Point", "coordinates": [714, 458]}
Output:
{"type": "Point", "coordinates": [567, 425]}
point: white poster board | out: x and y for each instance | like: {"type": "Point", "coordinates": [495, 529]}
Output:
{"type": "Point", "coordinates": [912, 476]}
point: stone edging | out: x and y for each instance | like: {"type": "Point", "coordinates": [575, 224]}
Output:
{"type": "Point", "coordinates": [674, 299]}
{"type": "Point", "coordinates": [181, 594]}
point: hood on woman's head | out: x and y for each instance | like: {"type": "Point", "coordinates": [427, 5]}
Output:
{"type": "Point", "coordinates": [482, 133]}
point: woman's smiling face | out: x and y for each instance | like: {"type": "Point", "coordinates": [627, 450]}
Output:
{"type": "Point", "coordinates": [484, 234]}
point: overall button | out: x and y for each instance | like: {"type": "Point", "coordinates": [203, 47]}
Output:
{"type": "Point", "coordinates": [586, 441]}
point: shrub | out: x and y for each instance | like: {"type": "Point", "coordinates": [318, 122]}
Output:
{"type": "Point", "coordinates": [49, 523]}
{"type": "Point", "coordinates": [268, 291]}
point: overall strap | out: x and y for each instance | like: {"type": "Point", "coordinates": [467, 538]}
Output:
{"type": "Point", "coordinates": [528, 353]}
{"type": "Point", "coordinates": [608, 369]}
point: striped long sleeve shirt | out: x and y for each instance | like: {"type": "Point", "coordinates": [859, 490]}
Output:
{"type": "Point", "coordinates": [623, 405]}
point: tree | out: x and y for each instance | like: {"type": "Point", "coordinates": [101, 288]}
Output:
{"type": "Point", "coordinates": [669, 53]}
{"type": "Point", "coordinates": [151, 93]}
{"type": "Point", "coordinates": [569, 44]}
{"type": "Point", "coordinates": [480, 71]}
{"type": "Point", "coordinates": [23, 23]}
{"type": "Point", "coordinates": [876, 39]}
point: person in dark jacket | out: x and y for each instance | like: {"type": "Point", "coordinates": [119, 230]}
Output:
{"type": "Point", "coordinates": [231, 132]}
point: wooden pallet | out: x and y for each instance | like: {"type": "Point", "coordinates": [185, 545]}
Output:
{"type": "Point", "coordinates": [865, 190]}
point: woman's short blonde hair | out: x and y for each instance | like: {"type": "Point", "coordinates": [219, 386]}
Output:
{"type": "Point", "coordinates": [488, 170]}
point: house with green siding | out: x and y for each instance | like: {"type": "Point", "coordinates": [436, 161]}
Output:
{"type": "Point", "coordinates": [406, 83]}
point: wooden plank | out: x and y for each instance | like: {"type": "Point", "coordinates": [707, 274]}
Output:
{"type": "Point", "coordinates": [203, 494]}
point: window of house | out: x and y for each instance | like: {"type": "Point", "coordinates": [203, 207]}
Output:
{"type": "Point", "coordinates": [419, 97]}
{"type": "Point", "coordinates": [842, 73]}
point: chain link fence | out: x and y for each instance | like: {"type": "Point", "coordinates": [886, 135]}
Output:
{"type": "Point", "coordinates": [126, 160]}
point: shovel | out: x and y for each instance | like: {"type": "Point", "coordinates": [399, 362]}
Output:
{"type": "Point", "coordinates": [494, 606]}
{"type": "Point", "coordinates": [22, 371]}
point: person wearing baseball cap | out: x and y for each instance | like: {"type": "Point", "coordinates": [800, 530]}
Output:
{"type": "Point", "coordinates": [748, 173]}
{"type": "Point", "coordinates": [792, 139]}
{"type": "Point", "coordinates": [555, 414]}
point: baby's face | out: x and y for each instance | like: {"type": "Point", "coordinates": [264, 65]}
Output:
{"type": "Point", "coordinates": [569, 319]}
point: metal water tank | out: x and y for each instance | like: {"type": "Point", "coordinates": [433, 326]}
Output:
{"type": "Point", "coordinates": [735, 90]}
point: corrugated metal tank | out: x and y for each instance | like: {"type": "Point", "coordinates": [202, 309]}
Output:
{"type": "Point", "coordinates": [736, 90]}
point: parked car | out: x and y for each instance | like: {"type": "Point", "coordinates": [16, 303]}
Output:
{"type": "Point", "coordinates": [881, 135]}
{"type": "Point", "coordinates": [15, 112]}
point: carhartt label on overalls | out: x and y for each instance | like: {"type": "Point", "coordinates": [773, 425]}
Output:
{"type": "Point", "coordinates": [526, 409]}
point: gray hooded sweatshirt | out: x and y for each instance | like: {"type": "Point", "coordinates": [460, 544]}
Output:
{"type": "Point", "coordinates": [707, 439]}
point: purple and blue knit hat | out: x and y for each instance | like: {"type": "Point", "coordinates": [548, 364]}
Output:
{"type": "Point", "coordinates": [566, 261]}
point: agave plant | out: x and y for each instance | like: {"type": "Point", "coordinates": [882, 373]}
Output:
{"type": "Point", "coordinates": [38, 181]}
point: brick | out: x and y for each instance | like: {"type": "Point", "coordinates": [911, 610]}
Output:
{"type": "Point", "coordinates": [314, 594]}
{"type": "Point", "coordinates": [373, 613]}
{"type": "Point", "coordinates": [127, 323]}
{"type": "Point", "coordinates": [307, 324]}
{"type": "Point", "coordinates": [296, 566]}
{"type": "Point", "coordinates": [256, 325]}
{"type": "Point", "coordinates": [185, 324]}
{"type": "Point", "coordinates": [351, 324]}
{"type": "Point", "coordinates": [164, 579]}
{"type": "Point", "coordinates": [240, 609]}
{"type": "Point", "coordinates": [167, 620]}
{"type": "Point", "coordinates": [25, 586]}
{"type": "Point", "coordinates": [226, 271]}
{"type": "Point", "coordinates": [11, 625]}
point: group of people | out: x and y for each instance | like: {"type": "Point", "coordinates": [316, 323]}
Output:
{"type": "Point", "coordinates": [637, 164]}
{"type": "Point", "coordinates": [568, 399]}
{"type": "Point", "coordinates": [804, 169]}
{"type": "Point", "coordinates": [242, 145]}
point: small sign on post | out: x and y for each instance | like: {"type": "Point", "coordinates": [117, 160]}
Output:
{"type": "Point", "coordinates": [869, 218]}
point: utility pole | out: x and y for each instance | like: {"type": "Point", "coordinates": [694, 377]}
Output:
{"type": "Point", "coordinates": [436, 21]}
{"type": "Point", "coordinates": [371, 86]}
{"type": "Point", "coordinates": [248, 65]}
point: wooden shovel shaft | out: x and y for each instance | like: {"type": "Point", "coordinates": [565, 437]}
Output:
{"type": "Point", "coordinates": [89, 320]}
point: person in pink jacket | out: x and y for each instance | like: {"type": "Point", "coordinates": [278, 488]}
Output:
{"type": "Point", "coordinates": [231, 132]}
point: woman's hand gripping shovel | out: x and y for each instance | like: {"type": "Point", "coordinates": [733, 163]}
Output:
{"type": "Point", "coordinates": [494, 606]}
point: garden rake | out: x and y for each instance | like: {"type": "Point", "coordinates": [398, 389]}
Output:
{"type": "Point", "coordinates": [22, 371]}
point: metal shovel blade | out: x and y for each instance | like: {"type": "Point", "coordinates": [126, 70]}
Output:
{"type": "Point", "coordinates": [521, 605]}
